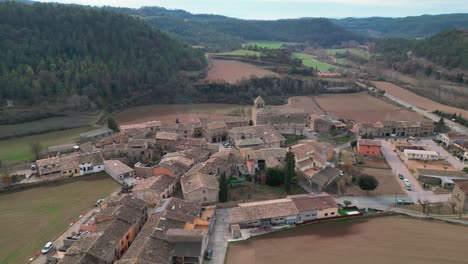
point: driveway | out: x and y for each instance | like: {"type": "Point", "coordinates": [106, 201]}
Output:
{"type": "Point", "coordinates": [398, 167]}
{"type": "Point", "coordinates": [219, 237]}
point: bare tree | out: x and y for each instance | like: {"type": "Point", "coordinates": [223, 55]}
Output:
{"type": "Point", "coordinates": [424, 204]}
{"type": "Point", "coordinates": [452, 204]}
{"type": "Point", "coordinates": [36, 149]}
{"type": "Point", "coordinates": [438, 206]}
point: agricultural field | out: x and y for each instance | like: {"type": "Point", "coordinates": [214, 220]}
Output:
{"type": "Point", "coordinates": [419, 101]}
{"type": "Point", "coordinates": [241, 53]}
{"type": "Point", "coordinates": [392, 239]}
{"type": "Point", "coordinates": [362, 107]}
{"type": "Point", "coordinates": [310, 61]}
{"type": "Point", "coordinates": [357, 52]}
{"type": "Point", "coordinates": [49, 124]}
{"type": "Point", "coordinates": [305, 103]}
{"type": "Point", "coordinates": [234, 71]}
{"type": "Point", "coordinates": [266, 44]}
{"type": "Point", "coordinates": [18, 149]}
{"type": "Point", "coordinates": [185, 112]}
{"type": "Point", "coordinates": [34, 216]}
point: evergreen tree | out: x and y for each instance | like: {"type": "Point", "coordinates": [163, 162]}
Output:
{"type": "Point", "coordinates": [223, 188]}
{"type": "Point", "coordinates": [368, 183]}
{"type": "Point", "coordinates": [112, 124]}
{"type": "Point", "coordinates": [290, 171]}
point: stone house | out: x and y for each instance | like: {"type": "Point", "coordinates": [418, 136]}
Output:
{"type": "Point", "coordinates": [449, 138]}
{"type": "Point", "coordinates": [58, 167]}
{"type": "Point", "coordinates": [200, 188]}
{"type": "Point", "coordinates": [397, 128]}
{"type": "Point", "coordinates": [116, 151]}
{"type": "Point", "coordinates": [118, 170]}
{"type": "Point", "coordinates": [314, 206]}
{"type": "Point", "coordinates": [460, 195]}
{"type": "Point", "coordinates": [155, 189]}
{"type": "Point", "coordinates": [216, 131]}
{"type": "Point", "coordinates": [323, 179]}
{"type": "Point", "coordinates": [116, 138]}
{"type": "Point", "coordinates": [167, 141]}
{"type": "Point", "coordinates": [265, 136]}
{"type": "Point", "coordinates": [139, 150]}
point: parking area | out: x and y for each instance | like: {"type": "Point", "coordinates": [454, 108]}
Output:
{"type": "Point", "coordinates": [219, 237]}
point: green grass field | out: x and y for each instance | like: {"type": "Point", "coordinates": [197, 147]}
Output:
{"type": "Point", "coordinates": [310, 61]}
{"type": "Point", "coordinates": [18, 149]}
{"type": "Point", "coordinates": [241, 53]}
{"type": "Point", "coordinates": [267, 44]}
{"type": "Point", "coordinates": [31, 217]}
{"type": "Point", "coordinates": [357, 52]}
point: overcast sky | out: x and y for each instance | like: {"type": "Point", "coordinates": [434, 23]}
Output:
{"type": "Point", "coordinates": [274, 9]}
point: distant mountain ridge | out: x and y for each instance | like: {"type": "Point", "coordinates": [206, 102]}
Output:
{"type": "Point", "coordinates": [406, 27]}
{"type": "Point", "coordinates": [220, 32]}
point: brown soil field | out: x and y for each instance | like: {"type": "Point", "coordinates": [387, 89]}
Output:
{"type": "Point", "coordinates": [388, 184]}
{"type": "Point", "coordinates": [305, 103]}
{"type": "Point", "coordinates": [362, 107]}
{"type": "Point", "coordinates": [185, 112]}
{"type": "Point", "coordinates": [395, 239]}
{"type": "Point", "coordinates": [417, 100]}
{"type": "Point", "coordinates": [433, 165]}
{"type": "Point", "coordinates": [233, 71]}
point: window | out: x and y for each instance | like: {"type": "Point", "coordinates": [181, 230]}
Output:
{"type": "Point", "coordinates": [326, 214]}
{"type": "Point", "coordinates": [204, 191]}
{"type": "Point", "coordinates": [332, 213]}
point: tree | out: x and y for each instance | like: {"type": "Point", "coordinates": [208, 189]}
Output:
{"type": "Point", "coordinates": [465, 169]}
{"type": "Point", "coordinates": [452, 204]}
{"type": "Point", "coordinates": [347, 203]}
{"type": "Point", "coordinates": [275, 176]}
{"type": "Point", "coordinates": [112, 124]}
{"type": "Point", "coordinates": [223, 188]}
{"type": "Point", "coordinates": [36, 149]}
{"type": "Point", "coordinates": [424, 204]}
{"type": "Point", "coordinates": [290, 171]}
{"type": "Point", "coordinates": [367, 183]}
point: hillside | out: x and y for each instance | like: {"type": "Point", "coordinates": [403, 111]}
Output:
{"type": "Point", "coordinates": [220, 32]}
{"type": "Point", "coordinates": [448, 49]}
{"type": "Point", "coordinates": [87, 57]}
{"type": "Point", "coordinates": [406, 27]}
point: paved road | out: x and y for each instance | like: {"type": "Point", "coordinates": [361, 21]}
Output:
{"type": "Point", "coordinates": [219, 237]}
{"type": "Point", "coordinates": [444, 153]}
{"type": "Point", "coordinates": [454, 126]}
{"type": "Point", "coordinates": [382, 202]}
{"type": "Point", "coordinates": [398, 167]}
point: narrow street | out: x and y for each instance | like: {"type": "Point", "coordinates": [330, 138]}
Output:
{"type": "Point", "coordinates": [219, 238]}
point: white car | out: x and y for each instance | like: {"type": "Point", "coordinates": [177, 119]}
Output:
{"type": "Point", "coordinates": [341, 173]}
{"type": "Point", "coordinates": [47, 247]}
{"type": "Point", "coordinates": [406, 180]}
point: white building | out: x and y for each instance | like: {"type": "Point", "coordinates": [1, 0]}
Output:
{"type": "Point", "coordinates": [414, 154]}
{"type": "Point", "coordinates": [91, 163]}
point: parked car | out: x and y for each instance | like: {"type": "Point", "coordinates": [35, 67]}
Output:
{"type": "Point", "coordinates": [341, 173]}
{"type": "Point", "coordinates": [47, 247]}
{"type": "Point", "coordinates": [99, 202]}
{"type": "Point", "coordinates": [406, 181]}
{"type": "Point", "coordinates": [209, 254]}
{"type": "Point", "coordinates": [401, 176]}
{"type": "Point", "coordinates": [33, 167]}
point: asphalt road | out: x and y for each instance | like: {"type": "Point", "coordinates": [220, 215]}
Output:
{"type": "Point", "coordinates": [454, 126]}
{"type": "Point", "coordinates": [219, 238]}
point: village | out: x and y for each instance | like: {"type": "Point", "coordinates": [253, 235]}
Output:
{"type": "Point", "coordinates": [190, 187]}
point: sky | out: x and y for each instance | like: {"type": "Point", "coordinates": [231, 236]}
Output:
{"type": "Point", "coordinates": [276, 9]}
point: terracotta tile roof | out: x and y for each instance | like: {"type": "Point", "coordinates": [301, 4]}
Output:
{"type": "Point", "coordinates": [313, 202]}
{"type": "Point", "coordinates": [183, 235]}
{"type": "Point", "coordinates": [94, 158]}
{"type": "Point", "coordinates": [158, 183]}
{"type": "Point", "coordinates": [167, 136]}
{"type": "Point", "coordinates": [216, 125]}
{"type": "Point", "coordinates": [262, 210]}
{"type": "Point", "coordinates": [368, 142]}
{"type": "Point", "coordinates": [54, 164]}
{"type": "Point", "coordinates": [326, 175]}
{"type": "Point", "coordinates": [116, 167]}
{"type": "Point", "coordinates": [463, 186]}
{"type": "Point", "coordinates": [197, 181]}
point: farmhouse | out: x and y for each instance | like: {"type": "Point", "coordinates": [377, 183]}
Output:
{"type": "Point", "coordinates": [116, 138]}
{"type": "Point", "coordinates": [200, 188]}
{"type": "Point", "coordinates": [262, 159]}
{"type": "Point", "coordinates": [58, 167]}
{"type": "Point", "coordinates": [167, 141]}
{"type": "Point", "coordinates": [286, 120]}
{"type": "Point", "coordinates": [321, 180]}
{"type": "Point", "coordinates": [139, 150]}
{"type": "Point", "coordinates": [460, 195]}
{"type": "Point", "coordinates": [312, 207]}
{"type": "Point", "coordinates": [174, 233]}
{"type": "Point", "coordinates": [312, 154]}
{"type": "Point", "coordinates": [119, 171]}
{"type": "Point", "coordinates": [154, 190]}
{"type": "Point", "coordinates": [115, 151]}
{"type": "Point", "coordinates": [368, 147]}
{"type": "Point", "coordinates": [57, 151]}
{"type": "Point", "coordinates": [95, 134]}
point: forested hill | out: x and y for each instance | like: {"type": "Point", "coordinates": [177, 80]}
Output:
{"type": "Point", "coordinates": [94, 57]}
{"type": "Point", "coordinates": [448, 48]}
{"type": "Point", "coordinates": [405, 27]}
{"type": "Point", "coordinates": [220, 32]}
